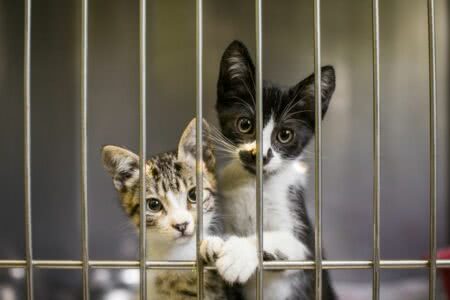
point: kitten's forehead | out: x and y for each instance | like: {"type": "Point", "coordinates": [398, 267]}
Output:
{"type": "Point", "coordinates": [279, 104]}
{"type": "Point", "coordinates": [166, 173]}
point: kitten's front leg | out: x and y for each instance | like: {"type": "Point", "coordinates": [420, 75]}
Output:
{"type": "Point", "coordinates": [236, 259]}
{"type": "Point", "coordinates": [283, 245]}
{"type": "Point", "coordinates": [211, 248]}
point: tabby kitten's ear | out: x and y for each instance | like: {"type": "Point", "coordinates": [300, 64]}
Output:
{"type": "Point", "coordinates": [237, 73]}
{"type": "Point", "coordinates": [187, 146]}
{"type": "Point", "coordinates": [304, 92]}
{"type": "Point", "coordinates": [123, 165]}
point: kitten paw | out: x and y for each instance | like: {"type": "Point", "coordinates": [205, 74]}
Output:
{"type": "Point", "coordinates": [238, 260]}
{"type": "Point", "coordinates": [211, 248]}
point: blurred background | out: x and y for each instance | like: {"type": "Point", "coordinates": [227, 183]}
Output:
{"type": "Point", "coordinates": [288, 58]}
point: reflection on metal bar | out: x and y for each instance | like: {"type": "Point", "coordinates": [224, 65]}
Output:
{"type": "Point", "coordinates": [142, 146]}
{"type": "Point", "coordinates": [376, 151]}
{"type": "Point", "coordinates": [27, 150]}
{"type": "Point", "coordinates": [199, 143]}
{"type": "Point", "coordinates": [189, 265]}
{"type": "Point", "coordinates": [318, 153]}
{"type": "Point", "coordinates": [259, 149]}
{"type": "Point", "coordinates": [433, 145]}
{"type": "Point", "coordinates": [83, 150]}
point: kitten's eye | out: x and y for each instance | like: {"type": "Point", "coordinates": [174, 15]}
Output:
{"type": "Point", "coordinates": [192, 195]}
{"type": "Point", "coordinates": [154, 204]}
{"type": "Point", "coordinates": [244, 125]}
{"type": "Point", "coordinates": [284, 136]}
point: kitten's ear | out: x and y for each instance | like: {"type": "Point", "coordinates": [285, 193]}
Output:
{"type": "Point", "coordinates": [304, 93]}
{"type": "Point", "coordinates": [187, 146]}
{"type": "Point", "coordinates": [123, 165]}
{"type": "Point", "coordinates": [237, 73]}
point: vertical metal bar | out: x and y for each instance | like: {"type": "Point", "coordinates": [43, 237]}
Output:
{"type": "Point", "coordinates": [259, 149]}
{"type": "Point", "coordinates": [83, 150]}
{"type": "Point", "coordinates": [376, 150]}
{"type": "Point", "coordinates": [27, 150]}
{"type": "Point", "coordinates": [199, 143]}
{"type": "Point", "coordinates": [318, 153]}
{"type": "Point", "coordinates": [142, 145]}
{"type": "Point", "coordinates": [433, 147]}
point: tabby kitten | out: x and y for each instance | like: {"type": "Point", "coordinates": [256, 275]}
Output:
{"type": "Point", "coordinates": [288, 126]}
{"type": "Point", "coordinates": [170, 211]}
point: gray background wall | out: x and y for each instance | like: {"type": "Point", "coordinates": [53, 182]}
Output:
{"type": "Point", "coordinates": [288, 57]}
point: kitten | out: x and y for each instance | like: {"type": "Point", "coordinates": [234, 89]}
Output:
{"type": "Point", "coordinates": [288, 118]}
{"type": "Point", "coordinates": [170, 211]}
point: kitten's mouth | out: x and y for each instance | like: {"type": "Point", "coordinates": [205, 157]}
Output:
{"type": "Point", "coordinates": [183, 238]}
{"type": "Point", "coordinates": [248, 160]}
{"type": "Point", "coordinates": [185, 234]}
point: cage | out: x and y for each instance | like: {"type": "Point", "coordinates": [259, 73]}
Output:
{"type": "Point", "coordinates": [80, 74]}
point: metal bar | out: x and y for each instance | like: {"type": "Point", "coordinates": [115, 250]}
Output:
{"type": "Point", "coordinates": [352, 265]}
{"type": "Point", "coordinates": [199, 144]}
{"type": "Point", "coordinates": [259, 149]}
{"type": "Point", "coordinates": [433, 147]}
{"type": "Point", "coordinates": [318, 154]}
{"type": "Point", "coordinates": [142, 146]}
{"type": "Point", "coordinates": [83, 150]}
{"type": "Point", "coordinates": [376, 150]}
{"type": "Point", "coordinates": [188, 265]}
{"type": "Point", "coordinates": [27, 150]}
{"type": "Point", "coordinates": [308, 264]}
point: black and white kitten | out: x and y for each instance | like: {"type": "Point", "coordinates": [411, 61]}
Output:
{"type": "Point", "coordinates": [288, 127]}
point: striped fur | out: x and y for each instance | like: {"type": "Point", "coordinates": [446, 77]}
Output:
{"type": "Point", "coordinates": [170, 178]}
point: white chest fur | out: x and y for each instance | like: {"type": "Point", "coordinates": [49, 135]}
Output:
{"type": "Point", "coordinates": [238, 192]}
{"type": "Point", "coordinates": [161, 284]}
{"type": "Point", "coordinates": [239, 208]}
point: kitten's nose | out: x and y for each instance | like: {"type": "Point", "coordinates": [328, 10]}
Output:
{"type": "Point", "coordinates": [268, 156]}
{"type": "Point", "coordinates": [181, 227]}
{"type": "Point", "coordinates": [249, 157]}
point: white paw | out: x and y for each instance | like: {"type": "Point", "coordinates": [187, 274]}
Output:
{"type": "Point", "coordinates": [238, 260]}
{"type": "Point", "coordinates": [211, 248]}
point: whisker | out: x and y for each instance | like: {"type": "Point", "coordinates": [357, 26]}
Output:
{"type": "Point", "coordinates": [224, 150]}
{"type": "Point", "coordinates": [218, 136]}
{"type": "Point", "coordinates": [222, 143]}
{"type": "Point", "coordinates": [292, 103]}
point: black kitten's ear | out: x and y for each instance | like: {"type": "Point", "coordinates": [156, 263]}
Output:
{"type": "Point", "coordinates": [123, 165]}
{"type": "Point", "coordinates": [187, 146]}
{"type": "Point", "coordinates": [237, 73]}
{"type": "Point", "coordinates": [304, 93]}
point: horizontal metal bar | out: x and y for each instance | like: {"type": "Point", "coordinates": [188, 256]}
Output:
{"type": "Point", "coordinates": [188, 265]}
{"type": "Point", "coordinates": [352, 265]}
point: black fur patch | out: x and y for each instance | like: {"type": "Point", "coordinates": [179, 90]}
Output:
{"type": "Point", "coordinates": [291, 108]}
{"type": "Point", "coordinates": [134, 210]}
